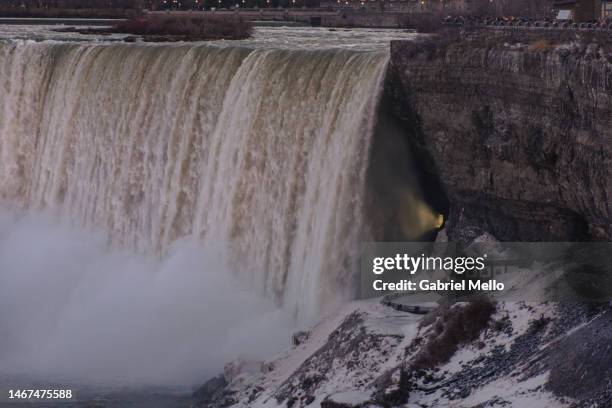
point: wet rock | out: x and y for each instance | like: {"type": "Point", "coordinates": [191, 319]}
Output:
{"type": "Point", "coordinates": [300, 337]}
{"type": "Point", "coordinates": [233, 370]}
{"type": "Point", "coordinates": [346, 400]}
{"type": "Point", "coordinates": [213, 394]}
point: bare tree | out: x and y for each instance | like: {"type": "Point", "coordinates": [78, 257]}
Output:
{"type": "Point", "coordinates": [516, 8]}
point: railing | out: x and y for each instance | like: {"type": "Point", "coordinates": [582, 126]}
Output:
{"type": "Point", "coordinates": [528, 24]}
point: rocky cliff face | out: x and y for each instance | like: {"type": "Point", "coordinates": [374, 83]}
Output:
{"type": "Point", "coordinates": [518, 132]}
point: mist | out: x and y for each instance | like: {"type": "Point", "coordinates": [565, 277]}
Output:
{"type": "Point", "coordinates": [72, 308]}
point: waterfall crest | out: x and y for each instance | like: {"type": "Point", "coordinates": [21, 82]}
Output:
{"type": "Point", "coordinates": [264, 150]}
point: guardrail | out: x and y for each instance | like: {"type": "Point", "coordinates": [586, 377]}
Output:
{"type": "Point", "coordinates": [529, 24]}
{"type": "Point", "coordinates": [389, 300]}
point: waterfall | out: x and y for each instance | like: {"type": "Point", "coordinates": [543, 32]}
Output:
{"type": "Point", "coordinates": [263, 150]}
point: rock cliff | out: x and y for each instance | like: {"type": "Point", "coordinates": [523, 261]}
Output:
{"type": "Point", "coordinates": [517, 130]}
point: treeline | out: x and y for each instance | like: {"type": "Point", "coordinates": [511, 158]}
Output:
{"type": "Point", "coordinates": [186, 27]}
{"type": "Point", "coordinates": [523, 8]}
{"type": "Point", "coordinates": [531, 8]}
{"type": "Point", "coordinates": [74, 4]}
{"type": "Point", "coordinates": [146, 4]}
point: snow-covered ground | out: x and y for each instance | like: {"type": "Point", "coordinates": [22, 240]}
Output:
{"type": "Point", "coordinates": [351, 356]}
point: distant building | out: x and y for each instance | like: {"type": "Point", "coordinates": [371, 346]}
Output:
{"type": "Point", "coordinates": [586, 10]}
{"type": "Point", "coordinates": [606, 9]}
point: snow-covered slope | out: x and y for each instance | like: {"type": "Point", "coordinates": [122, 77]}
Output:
{"type": "Point", "coordinates": [366, 355]}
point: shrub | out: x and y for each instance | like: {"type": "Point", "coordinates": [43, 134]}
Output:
{"type": "Point", "coordinates": [456, 325]}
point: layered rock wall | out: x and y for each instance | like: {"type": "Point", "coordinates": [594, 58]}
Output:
{"type": "Point", "coordinates": [519, 134]}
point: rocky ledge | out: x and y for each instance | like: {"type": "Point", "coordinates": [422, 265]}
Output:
{"type": "Point", "coordinates": [516, 128]}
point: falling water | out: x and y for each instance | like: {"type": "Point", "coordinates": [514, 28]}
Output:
{"type": "Point", "coordinates": [263, 150]}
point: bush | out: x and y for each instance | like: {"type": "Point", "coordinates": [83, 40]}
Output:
{"type": "Point", "coordinates": [188, 27]}
{"type": "Point", "coordinates": [456, 325]}
{"type": "Point", "coordinates": [65, 12]}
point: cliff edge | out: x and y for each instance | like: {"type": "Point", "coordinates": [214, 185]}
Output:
{"type": "Point", "coordinates": [517, 128]}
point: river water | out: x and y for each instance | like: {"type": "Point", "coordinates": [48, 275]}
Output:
{"type": "Point", "coordinates": [359, 39]}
